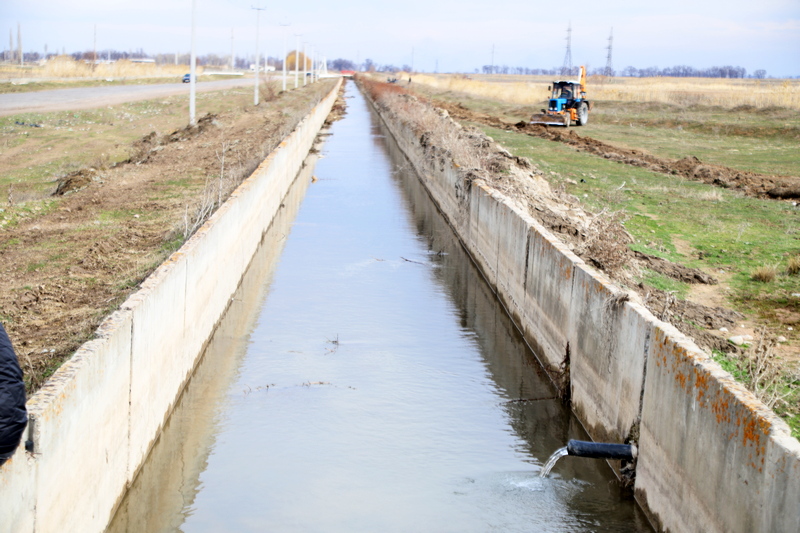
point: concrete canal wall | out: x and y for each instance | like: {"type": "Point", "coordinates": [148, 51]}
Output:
{"type": "Point", "coordinates": [711, 456]}
{"type": "Point", "coordinates": [95, 420]}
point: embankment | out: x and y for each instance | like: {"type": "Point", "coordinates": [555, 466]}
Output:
{"type": "Point", "coordinates": [94, 422]}
{"type": "Point", "coordinates": [711, 456]}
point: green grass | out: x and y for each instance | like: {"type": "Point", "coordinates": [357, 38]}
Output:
{"type": "Point", "coordinates": [664, 283]}
{"type": "Point", "coordinates": [722, 230]}
{"type": "Point", "coordinates": [763, 141]}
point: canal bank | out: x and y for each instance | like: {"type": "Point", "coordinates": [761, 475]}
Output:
{"type": "Point", "coordinates": [711, 456]}
{"type": "Point", "coordinates": [382, 386]}
{"type": "Point", "coordinates": [93, 423]}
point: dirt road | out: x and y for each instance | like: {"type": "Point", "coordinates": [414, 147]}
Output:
{"type": "Point", "coordinates": [91, 97]}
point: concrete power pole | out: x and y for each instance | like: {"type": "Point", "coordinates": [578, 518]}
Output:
{"type": "Point", "coordinates": [233, 62]}
{"type": "Point", "coordinates": [296, 58]}
{"type": "Point", "coordinates": [305, 66]}
{"type": "Point", "coordinates": [19, 45]}
{"type": "Point", "coordinates": [192, 71]}
{"type": "Point", "coordinates": [284, 55]}
{"type": "Point", "coordinates": [10, 57]}
{"type": "Point", "coordinates": [94, 52]}
{"type": "Point", "coordinates": [258, 59]}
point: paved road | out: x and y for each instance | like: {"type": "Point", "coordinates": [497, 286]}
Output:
{"type": "Point", "coordinates": [92, 97]}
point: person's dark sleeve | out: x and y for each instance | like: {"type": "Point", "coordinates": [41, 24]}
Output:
{"type": "Point", "coordinates": [13, 415]}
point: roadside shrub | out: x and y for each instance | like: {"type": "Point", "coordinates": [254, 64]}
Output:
{"type": "Point", "coordinates": [793, 266]}
{"type": "Point", "coordinates": [765, 274]}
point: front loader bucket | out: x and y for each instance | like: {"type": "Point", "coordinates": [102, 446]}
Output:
{"type": "Point", "coordinates": [548, 119]}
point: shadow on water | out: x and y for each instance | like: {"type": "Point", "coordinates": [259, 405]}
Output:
{"type": "Point", "coordinates": [371, 382]}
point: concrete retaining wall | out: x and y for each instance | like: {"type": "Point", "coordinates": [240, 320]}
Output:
{"type": "Point", "coordinates": [711, 456]}
{"type": "Point", "coordinates": [95, 420]}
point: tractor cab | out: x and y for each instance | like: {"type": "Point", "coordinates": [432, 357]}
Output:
{"type": "Point", "coordinates": [564, 93]}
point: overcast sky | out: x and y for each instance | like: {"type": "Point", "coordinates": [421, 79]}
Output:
{"type": "Point", "coordinates": [755, 34]}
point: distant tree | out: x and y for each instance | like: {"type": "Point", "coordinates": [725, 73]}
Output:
{"type": "Point", "coordinates": [298, 58]}
{"type": "Point", "coordinates": [760, 74]}
{"type": "Point", "coordinates": [369, 65]}
{"type": "Point", "coordinates": [341, 64]}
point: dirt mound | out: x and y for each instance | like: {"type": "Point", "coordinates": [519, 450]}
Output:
{"type": "Point", "coordinates": [76, 181]}
{"type": "Point", "coordinates": [189, 132]}
{"type": "Point", "coordinates": [674, 270]}
{"type": "Point", "coordinates": [751, 183]}
{"type": "Point", "coordinates": [690, 318]}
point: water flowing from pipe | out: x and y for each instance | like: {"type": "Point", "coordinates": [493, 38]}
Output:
{"type": "Point", "coordinates": [548, 466]}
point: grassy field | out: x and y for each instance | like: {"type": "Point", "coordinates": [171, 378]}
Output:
{"type": "Point", "coordinates": [66, 67]}
{"type": "Point", "coordinates": [73, 83]}
{"type": "Point", "coordinates": [37, 148]}
{"type": "Point", "coordinates": [742, 137]}
{"type": "Point", "coordinates": [721, 231]}
{"type": "Point", "coordinates": [685, 92]}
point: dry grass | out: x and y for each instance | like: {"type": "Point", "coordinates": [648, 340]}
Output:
{"type": "Point", "coordinates": [765, 373]}
{"type": "Point", "coordinates": [728, 93]}
{"type": "Point", "coordinates": [66, 67]}
{"type": "Point", "coordinates": [765, 273]}
{"type": "Point", "coordinates": [793, 266]}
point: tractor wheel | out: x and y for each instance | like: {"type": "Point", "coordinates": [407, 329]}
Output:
{"type": "Point", "coordinates": [583, 114]}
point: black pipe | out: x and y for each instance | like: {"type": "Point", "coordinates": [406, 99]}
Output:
{"type": "Point", "coordinates": [601, 450]}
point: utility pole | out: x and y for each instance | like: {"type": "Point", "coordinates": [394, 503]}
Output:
{"type": "Point", "coordinates": [566, 70]}
{"type": "Point", "coordinates": [296, 58]}
{"type": "Point", "coordinates": [233, 62]}
{"type": "Point", "coordinates": [609, 65]}
{"type": "Point", "coordinates": [10, 57]}
{"type": "Point", "coordinates": [412, 60]}
{"type": "Point", "coordinates": [192, 70]}
{"type": "Point", "coordinates": [258, 59]}
{"type": "Point", "coordinates": [19, 45]}
{"type": "Point", "coordinates": [305, 66]}
{"type": "Point", "coordinates": [491, 70]}
{"type": "Point", "coordinates": [284, 55]}
{"type": "Point", "coordinates": [94, 52]}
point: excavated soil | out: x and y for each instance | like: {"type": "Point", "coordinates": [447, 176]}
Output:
{"type": "Point", "coordinates": [750, 183]}
{"type": "Point", "coordinates": [65, 269]}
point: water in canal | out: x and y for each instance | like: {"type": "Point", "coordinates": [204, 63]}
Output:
{"type": "Point", "coordinates": [367, 379]}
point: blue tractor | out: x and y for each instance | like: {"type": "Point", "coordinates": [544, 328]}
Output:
{"type": "Point", "coordinates": [568, 104]}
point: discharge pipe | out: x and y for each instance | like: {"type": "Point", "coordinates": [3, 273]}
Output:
{"type": "Point", "coordinates": [594, 450]}
{"type": "Point", "coordinates": [601, 450]}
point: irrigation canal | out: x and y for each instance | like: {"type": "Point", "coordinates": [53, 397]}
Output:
{"type": "Point", "coordinates": [366, 379]}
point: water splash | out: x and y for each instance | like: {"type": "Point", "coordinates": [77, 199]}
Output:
{"type": "Point", "coordinates": [558, 454]}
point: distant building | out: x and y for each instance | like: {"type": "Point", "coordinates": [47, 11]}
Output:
{"type": "Point", "coordinates": [142, 60]}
